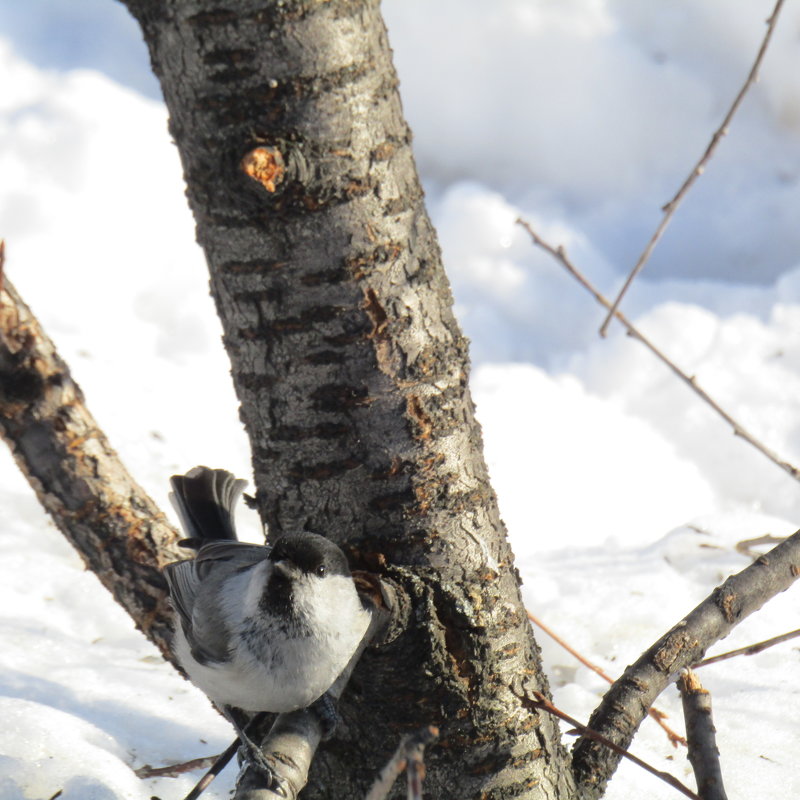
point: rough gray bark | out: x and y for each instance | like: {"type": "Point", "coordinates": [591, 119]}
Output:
{"type": "Point", "coordinates": [352, 373]}
{"type": "Point", "coordinates": [117, 529]}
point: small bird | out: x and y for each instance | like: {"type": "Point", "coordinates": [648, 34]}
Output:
{"type": "Point", "coordinates": [258, 628]}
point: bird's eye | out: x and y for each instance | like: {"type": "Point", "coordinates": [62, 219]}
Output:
{"type": "Point", "coordinates": [321, 570]}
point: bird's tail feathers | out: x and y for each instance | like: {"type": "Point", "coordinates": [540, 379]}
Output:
{"type": "Point", "coordinates": [204, 500]}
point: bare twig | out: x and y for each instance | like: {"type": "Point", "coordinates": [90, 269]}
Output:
{"type": "Point", "coordinates": [703, 752]}
{"type": "Point", "coordinates": [659, 716]}
{"type": "Point", "coordinates": [626, 702]}
{"type": "Point", "coordinates": [174, 770]}
{"type": "Point", "coordinates": [750, 650]}
{"type": "Point", "coordinates": [219, 764]}
{"type": "Point", "coordinates": [698, 169]}
{"type": "Point", "coordinates": [407, 756]}
{"type": "Point", "coordinates": [746, 546]}
{"type": "Point", "coordinates": [546, 705]}
{"type": "Point", "coordinates": [561, 256]}
{"type": "Point", "coordinates": [223, 759]}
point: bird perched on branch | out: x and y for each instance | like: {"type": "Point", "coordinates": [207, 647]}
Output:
{"type": "Point", "coordinates": [258, 628]}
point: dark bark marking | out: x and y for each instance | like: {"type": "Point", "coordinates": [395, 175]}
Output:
{"type": "Point", "coordinates": [397, 467]}
{"type": "Point", "coordinates": [337, 397]}
{"type": "Point", "coordinates": [254, 381]}
{"type": "Point", "coordinates": [325, 357]}
{"type": "Point", "coordinates": [329, 276]}
{"type": "Point", "coordinates": [278, 96]}
{"type": "Point", "coordinates": [227, 56]}
{"type": "Point", "coordinates": [323, 431]}
{"type": "Point", "coordinates": [303, 323]}
{"type": "Point", "coordinates": [393, 502]}
{"type": "Point", "coordinates": [271, 294]}
{"type": "Point", "coordinates": [325, 471]}
{"type": "Point", "coordinates": [253, 267]}
{"type": "Point", "coordinates": [216, 16]}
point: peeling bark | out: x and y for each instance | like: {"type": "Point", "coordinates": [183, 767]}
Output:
{"type": "Point", "coordinates": [352, 373]}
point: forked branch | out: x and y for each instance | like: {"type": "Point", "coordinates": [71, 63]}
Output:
{"type": "Point", "coordinates": [625, 704]}
{"type": "Point", "coordinates": [657, 715]}
{"type": "Point", "coordinates": [546, 705]}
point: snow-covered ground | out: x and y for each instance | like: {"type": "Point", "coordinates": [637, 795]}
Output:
{"type": "Point", "coordinates": [624, 495]}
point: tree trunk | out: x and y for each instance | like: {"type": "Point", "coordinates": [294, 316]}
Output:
{"type": "Point", "coordinates": [352, 373]}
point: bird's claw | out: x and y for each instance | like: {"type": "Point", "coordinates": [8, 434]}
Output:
{"type": "Point", "coordinates": [262, 764]}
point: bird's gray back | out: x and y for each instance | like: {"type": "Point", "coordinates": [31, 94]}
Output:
{"type": "Point", "coordinates": [196, 589]}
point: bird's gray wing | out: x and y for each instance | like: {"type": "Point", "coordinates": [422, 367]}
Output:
{"type": "Point", "coordinates": [226, 557]}
{"type": "Point", "coordinates": [183, 585]}
{"type": "Point", "coordinates": [195, 587]}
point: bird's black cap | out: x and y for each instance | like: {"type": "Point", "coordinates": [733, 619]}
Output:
{"type": "Point", "coordinates": [311, 553]}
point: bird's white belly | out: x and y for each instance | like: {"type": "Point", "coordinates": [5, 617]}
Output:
{"type": "Point", "coordinates": [249, 684]}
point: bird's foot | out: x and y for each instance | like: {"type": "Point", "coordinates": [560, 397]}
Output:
{"type": "Point", "coordinates": [265, 766]}
{"type": "Point", "coordinates": [327, 711]}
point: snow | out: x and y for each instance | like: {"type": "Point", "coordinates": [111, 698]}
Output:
{"type": "Point", "coordinates": [624, 495]}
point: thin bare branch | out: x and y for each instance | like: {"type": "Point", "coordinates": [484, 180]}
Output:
{"type": "Point", "coordinates": [703, 752]}
{"type": "Point", "coordinates": [659, 716]}
{"type": "Point", "coordinates": [747, 546]}
{"type": "Point", "coordinates": [698, 169]}
{"type": "Point", "coordinates": [625, 704]}
{"type": "Point", "coordinates": [174, 770]}
{"type": "Point", "coordinates": [407, 756]}
{"type": "Point", "coordinates": [560, 254]}
{"type": "Point", "coordinates": [750, 650]}
{"type": "Point", "coordinates": [546, 705]}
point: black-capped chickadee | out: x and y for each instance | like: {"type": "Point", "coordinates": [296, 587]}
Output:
{"type": "Point", "coordinates": [258, 628]}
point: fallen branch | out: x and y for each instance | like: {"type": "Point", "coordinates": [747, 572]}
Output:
{"type": "Point", "coordinates": [703, 752]}
{"type": "Point", "coordinates": [561, 256]}
{"type": "Point", "coordinates": [625, 704]}
{"type": "Point", "coordinates": [750, 650]}
{"type": "Point", "coordinates": [546, 705]}
{"type": "Point", "coordinates": [116, 528]}
{"type": "Point", "coordinates": [407, 756]}
{"type": "Point", "coordinates": [659, 716]}
{"type": "Point", "coordinates": [698, 169]}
